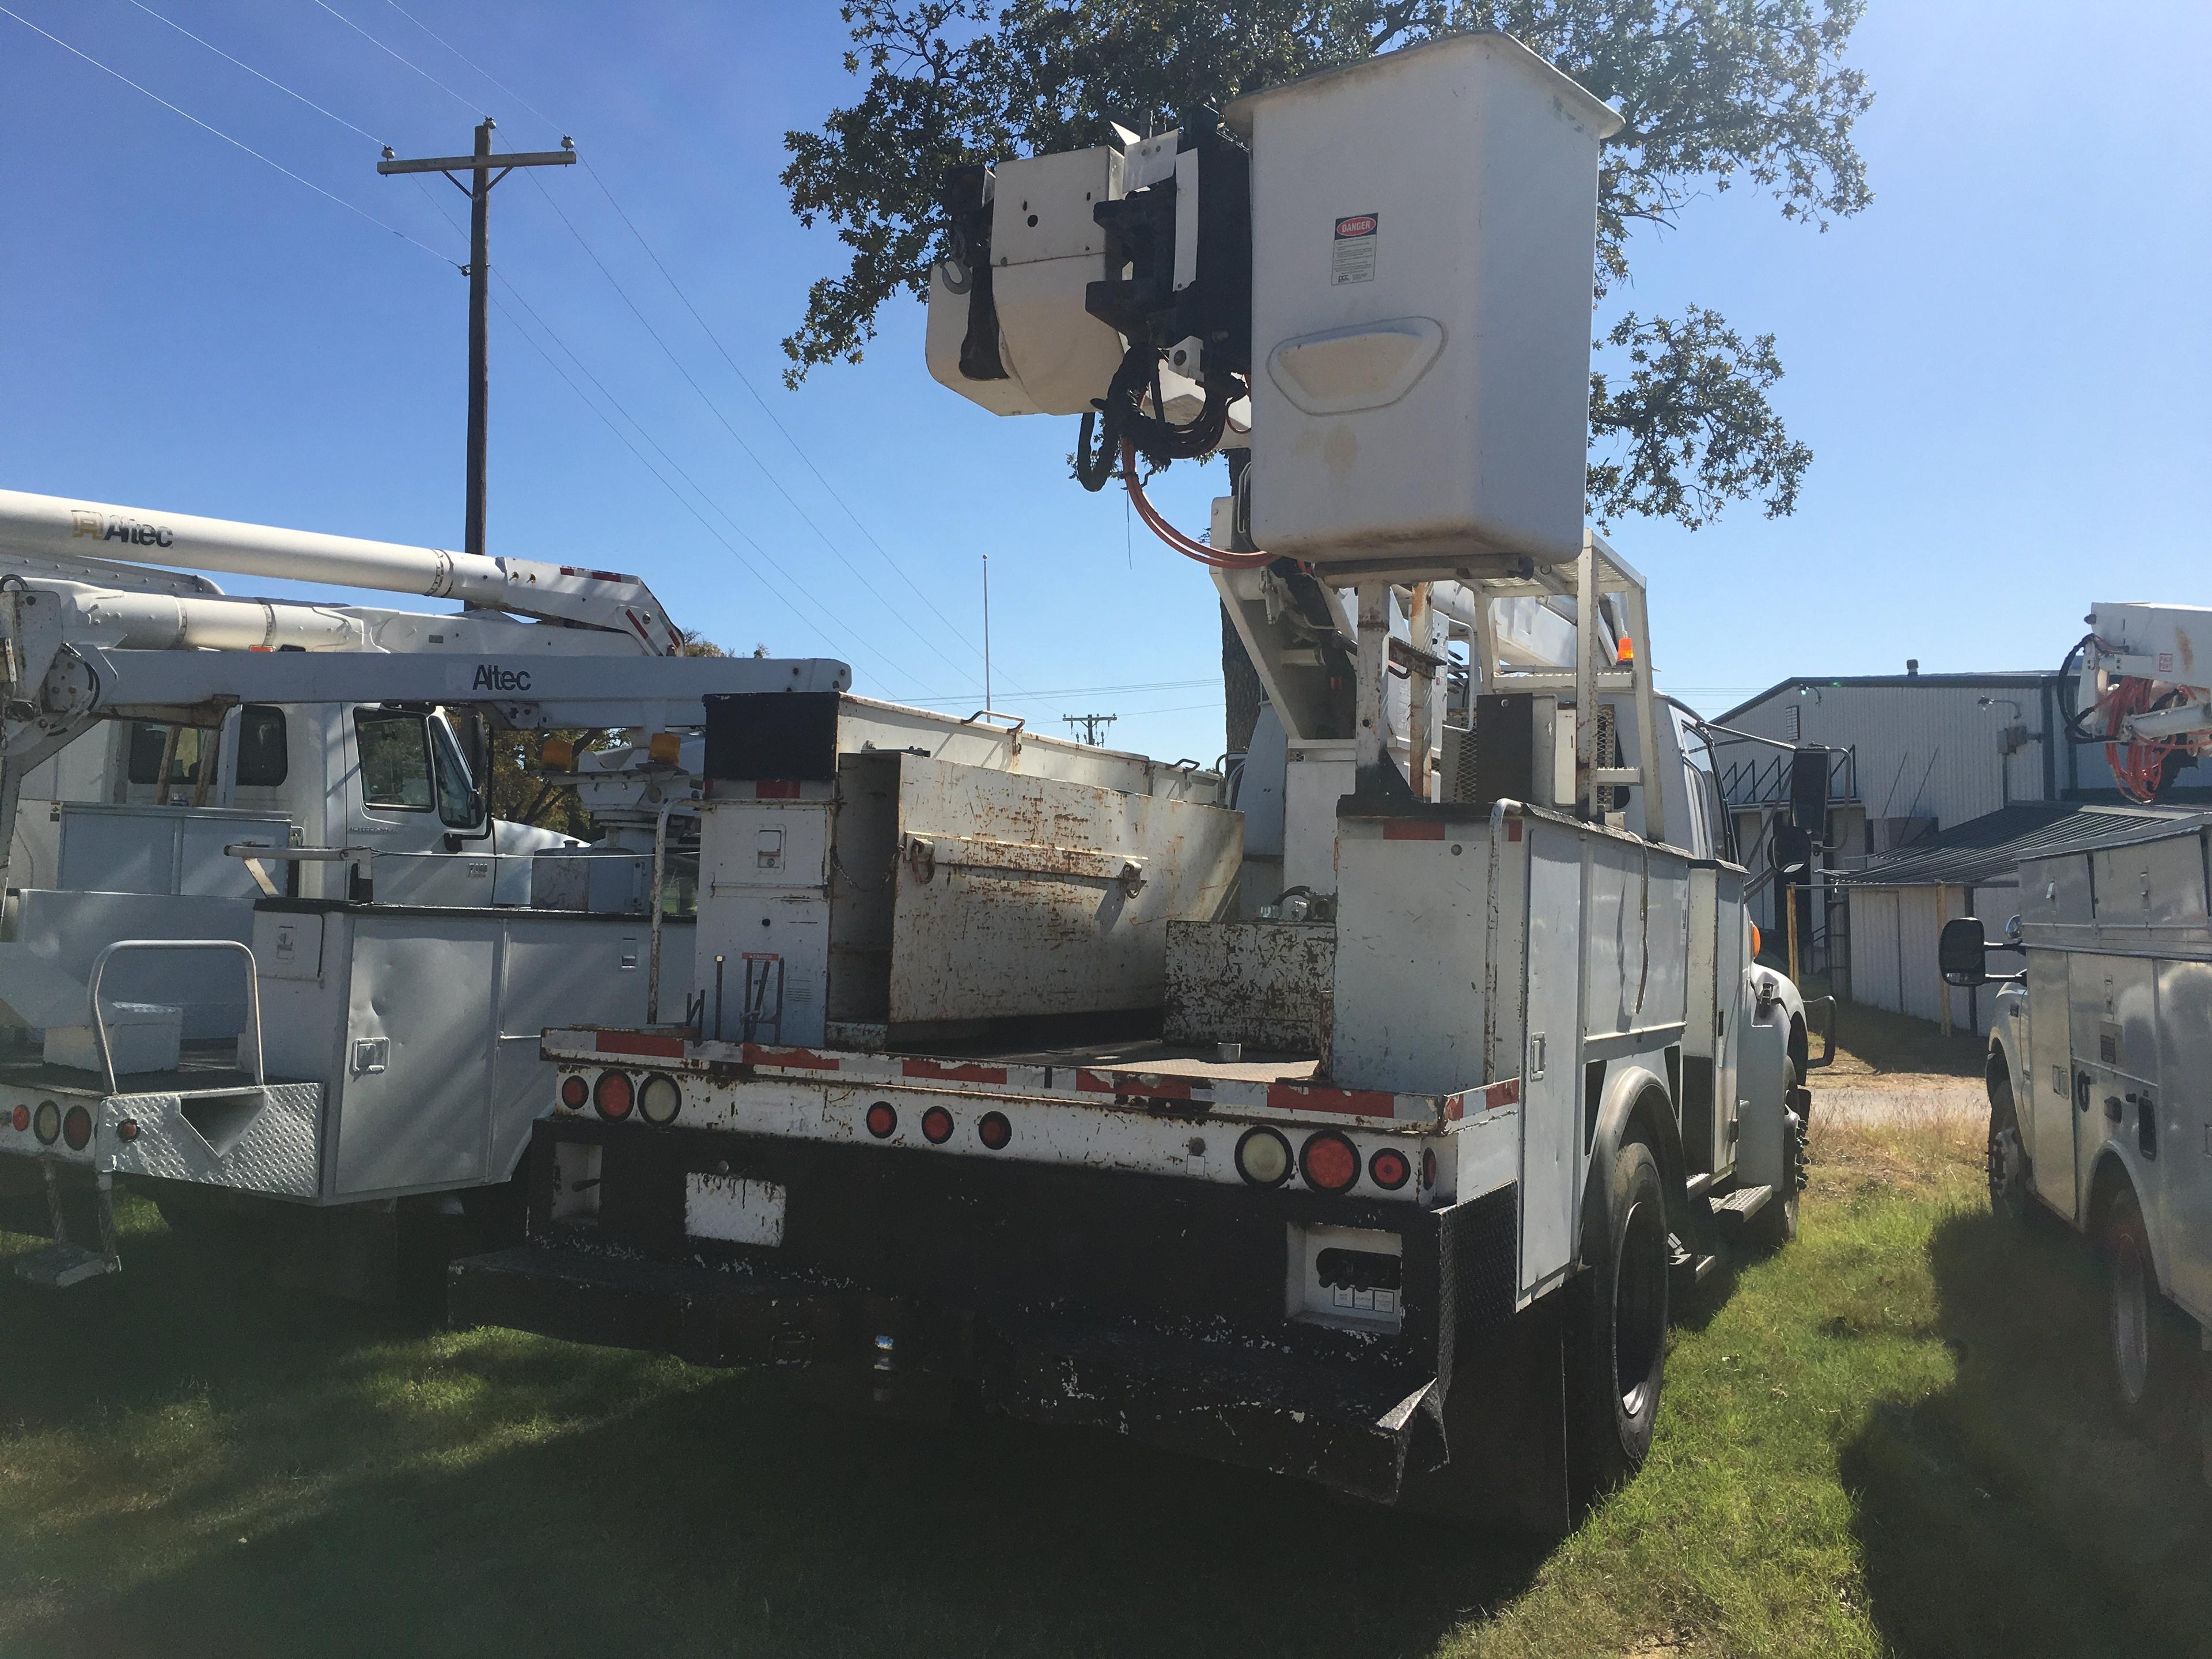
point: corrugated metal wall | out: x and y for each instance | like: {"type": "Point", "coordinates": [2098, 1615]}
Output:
{"type": "Point", "coordinates": [1924, 751]}
{"type": "Point", "coordinates": [1893, 940]}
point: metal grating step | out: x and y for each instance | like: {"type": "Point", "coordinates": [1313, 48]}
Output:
{"type": "Point", "coordinates": [1744, 1202]}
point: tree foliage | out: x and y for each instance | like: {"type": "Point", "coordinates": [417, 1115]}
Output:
{"type": "Point", "coordinates": [1714, 94]}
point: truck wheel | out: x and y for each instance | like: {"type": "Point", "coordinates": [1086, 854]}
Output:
{"type": "Point", "coordinates": [1617, 1334]}
{"type": "Point", "coordinates": [1775, 1224]}
{"type": "Point", "coordinates": [2138, 1324]}
{"type": "Point", "coordinates": [2007, 1158]}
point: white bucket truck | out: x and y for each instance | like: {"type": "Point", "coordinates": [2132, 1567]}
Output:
{"type": "Point", "coordinates": [2100, 1112]}
{"type": "Point", "coordinates": [269, 956]}
{"type": "Point", "coordinates": [1518, 1067]}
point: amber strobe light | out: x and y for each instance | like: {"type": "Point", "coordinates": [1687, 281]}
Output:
{"type": "Point", "coordinates": [1328, 1162]}
{"type": "Point", "coordinates": [575, 1093]}
{"type": "Point", "coordinates": [1263, 1157]}
{"type": "Point", "coordinates": [612, 1096]}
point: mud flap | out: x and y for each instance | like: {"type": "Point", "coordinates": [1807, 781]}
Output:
{"type": "Point", "coordinates": [1505, 1429]}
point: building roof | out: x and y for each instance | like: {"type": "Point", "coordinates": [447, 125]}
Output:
{"type": "Point", "coordinates": [1986, 851]}
{"type": "Point", "coordinates": [2002, 679]}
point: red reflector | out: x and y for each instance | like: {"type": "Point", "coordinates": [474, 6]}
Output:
{"type": "Point", "coordinates": [1329, 1161]}
{"type": "Point", "coordinates": [575, 1092]}
{"type": "Point", "coordinates": [1389, 1169]}
{"type": "Point", "coordinates": [76, 1128]}
{"type": "Point", "coordinates": [882, 1119]}
{"type": "Point", "coordinates": [612, 1096]}
{"type": "Point", "coordinates": [1428, 1167]}
{"type": "Point", "coordinates": [127, 1130]}
{"type": "Point", "coordinates": [21, 1117]}
{"type": "Point", "coordinates": [994, 1131]}
{"type": "Point", "coordinates": [937, 1125]}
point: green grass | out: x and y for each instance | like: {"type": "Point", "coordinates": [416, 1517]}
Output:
{"type": "Point", "coordinates": [1886, 1439]}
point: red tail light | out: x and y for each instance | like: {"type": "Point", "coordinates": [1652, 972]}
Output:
{"type": "Point", "coordinates": [21, 1117]}
{"type": "Point", "coordinates": [994, 1131]}
{"type": "Point", "coordinates": [1428, 1166]}
{"type": "Point", "coordinates": [882, 1119]}
{"type": "Point", "coordinates": [612, 1096]}
{"type": "Point", "coordinates": [575, 1093]}
{"type": "Point", "coordinates": [127, 1130]}
{"type": "Point", "coordinates": [937, 1125]}
{"type": "Point", "coordinates": [1389, 1169]}
{"type": "Point", "coordinates": [76, 1128]}
{"type": "Point", "coordinates": [1329, 1161]}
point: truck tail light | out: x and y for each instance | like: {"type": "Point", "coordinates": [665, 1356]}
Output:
{"type": "Point", "coordinates": [21, 1117]}
{"type": "Point", "coordinates": [659, 1099]}
{"type": "Point", "coordinates": [46, 1122]}
{"type": "Point", "coordinates": [127, 1130]}
{"type": "Point", "coordinates": [882, 1119]}
{"type": "Point", "coordinates": [1329, 1161]}
{"type": "Point", "coordinates": [612, 1096]}
{"type": "Point", "coordinates": [994, 1131]}
{"type": "Point", "coordinates": [1389, 1169]}
{"type": "Point", "coordinates": [575, 1093]}
{"type": "Point", "coordinates": [937, 1125]}
{"type": "Point", "coordinates": [76, 1128]}
{"type": "Point", "coordinates": [1263, 1157]}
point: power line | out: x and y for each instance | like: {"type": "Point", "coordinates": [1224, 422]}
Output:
{"type": "Point", "coordinates": [287, 91]}
{"type": "Point", "coordinates": [744, 379]}
{"type": "Point", "coordinates": [388, 51]}
{"type": "Point", "coordinates": [679, 469]}
{"type": "Point", "coordinates": [234, 143]}
{"type": "Point", "coordinates": [736, 437]}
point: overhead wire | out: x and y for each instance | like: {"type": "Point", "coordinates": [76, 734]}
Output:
{"type": "Point", "coordinates": [364, 132]}
{"type": "Point", "coordinates": [235, 144]}
{"type": "Point", "coordinates": [464, 102]}
{"type": "Point", "coordinates": [714, 338]}
{"type": "Point", "coordinates": [288, 92]}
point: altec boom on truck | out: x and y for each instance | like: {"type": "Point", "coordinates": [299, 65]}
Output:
{"type": "Point", "coordinates": [1465, 1061]}
{"type": "Point", "coordinates": [269, 956]}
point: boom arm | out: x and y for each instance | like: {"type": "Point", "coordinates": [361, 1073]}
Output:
{"type": "Point", "coordinates": [55, 527]}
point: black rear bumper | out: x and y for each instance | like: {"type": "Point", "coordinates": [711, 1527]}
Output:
{"type": "Point", "coordinates": [1153, 1307]}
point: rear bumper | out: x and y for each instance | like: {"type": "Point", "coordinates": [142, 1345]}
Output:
{"type": "Point", "coordinates": [1357, 1429]}
{"type": "Point", "coordinates": [1153, 1307]}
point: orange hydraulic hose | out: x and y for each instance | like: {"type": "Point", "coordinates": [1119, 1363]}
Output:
{"type": "Point", "coordinates": [1174, 537]}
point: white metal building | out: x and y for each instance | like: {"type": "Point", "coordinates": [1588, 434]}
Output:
{"type": "Point", "coordinates": [1918, 757]}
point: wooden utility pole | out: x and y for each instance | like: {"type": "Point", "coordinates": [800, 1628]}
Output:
{"type": "Point", "coordinates": [484, 170]}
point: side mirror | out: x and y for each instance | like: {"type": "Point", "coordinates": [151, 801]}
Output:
{"type": "Point", "coordinates": [1962, 952]}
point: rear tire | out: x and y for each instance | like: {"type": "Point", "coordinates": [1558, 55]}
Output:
{"type": "Point", "coordinates": [1617, 1330]}
{"type": "Point", "coordinates": [2140, 1338]}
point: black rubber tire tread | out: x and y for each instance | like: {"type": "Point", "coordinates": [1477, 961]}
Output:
{"type": "Point", "coordinates": [2167, 1370]}
{"type": "Point", "coordinates": [1606, 1442]}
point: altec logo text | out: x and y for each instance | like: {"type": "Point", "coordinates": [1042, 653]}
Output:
{"type": "Point", "coordinates": [490, 677]}
{"type": "Point", "coordinates": [102, 528]}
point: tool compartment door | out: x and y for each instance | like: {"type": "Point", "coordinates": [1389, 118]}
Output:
{"type": "Point", "coordinates": [417, 1060]}
{"type": "Point", "coordinates": [2046, 1111]}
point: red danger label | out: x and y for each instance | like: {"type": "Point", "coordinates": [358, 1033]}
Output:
{"type": "Point", "coordinates": [1361, 224]}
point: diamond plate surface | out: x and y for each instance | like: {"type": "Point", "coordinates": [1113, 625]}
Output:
{"type": "Point", "coordinates": [256, 1139]}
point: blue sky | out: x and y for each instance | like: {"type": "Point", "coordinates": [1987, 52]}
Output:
{"type": "Point", "coordinates": [1999, 366]}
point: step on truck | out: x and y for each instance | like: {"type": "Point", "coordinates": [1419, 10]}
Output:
{"type": "Point", "coordinates": [1358, 1124]}
{"type": "Point", "coordinates": [2099, 1110]}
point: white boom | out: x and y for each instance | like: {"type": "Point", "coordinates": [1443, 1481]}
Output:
{"type": "Point", "coordinates": [55, 526]}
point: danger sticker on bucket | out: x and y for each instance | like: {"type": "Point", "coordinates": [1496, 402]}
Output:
{"type": "Point", "coordinates": [1352, 252]}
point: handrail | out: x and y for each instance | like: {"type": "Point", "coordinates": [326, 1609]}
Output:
{"type": "Point", "coordinates": [253, 993]}
{"type": "Point", "coordinates": [659, 875]}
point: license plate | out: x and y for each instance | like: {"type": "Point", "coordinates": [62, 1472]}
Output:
{"type": "Point", "coordinates": [734, 1208]}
